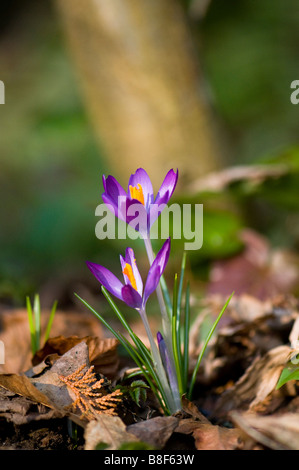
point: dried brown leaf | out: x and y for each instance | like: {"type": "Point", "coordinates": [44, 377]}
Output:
{"type": "Point", "coordinates": [102, 352]}
{"type": "Point", "coordinates": [209, 437]}
{"type": "Point", "coordinates": [275, 432]}
{"type": "Point", "coordinates": [206, 435]}
{"type": "Point", "coordinates": [249, 328]}
{"type": "Point", "coordinates": [259, 380]}
{"type": "Point", "coordinates": [20, 410]}
{"type": "Point", "coordinates": [191, 409]}
{"type": "Point", "coordinates": [21, 385]}
{"type": "Point", "coordinates": [109, 430]}
{"type": "Point", "coordinates": [155, 431]}
{"type": "Point", "coordinates": [50, 384]}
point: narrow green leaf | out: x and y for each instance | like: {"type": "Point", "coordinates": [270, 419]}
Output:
{"type": "Point", "coordinates": [179, 308]}
{"type": "Point", "coordinates": [141, 350]}
{"type": "Point", "coordinates": [166, 296]}
{"type": "Point", "coordinates": [136, 356]}
{"type": "Point", "coordinates": [175, 345]}
{"type": "Point", "coordinates": [205, 346]}
{"type": "Point", "coordinates": [144, 353]}
{"type": "Point", "coordinates": [180, 291]}
{"type": "Point", "coordinates": [116, 310]}
{"type": "Point", "coordinates": [186, 337]}
{"type": "Point", "coordinates": [37, 320]}
{"type": "Point", "coordinates": [51, 318]}
{"type": "Point", "coordinates": [31, 325]}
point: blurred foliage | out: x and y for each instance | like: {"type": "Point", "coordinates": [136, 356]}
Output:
{"type": "Point", "coordinates": [250, 57]}
{"type": "Point", "coordinates": [50, 181]}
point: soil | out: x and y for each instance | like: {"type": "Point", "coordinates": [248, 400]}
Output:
{"type": "Point", "coordinates": [42, 435]}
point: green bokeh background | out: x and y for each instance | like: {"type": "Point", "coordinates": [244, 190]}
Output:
{"type": "Point", "coordinates": [51, 165]}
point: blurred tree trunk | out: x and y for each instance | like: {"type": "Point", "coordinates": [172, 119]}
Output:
{"type": "Point", "coordinates": [142, 84]}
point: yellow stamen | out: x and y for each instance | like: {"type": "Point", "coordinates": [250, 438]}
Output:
{"type": "Point", "coordinates": [128, 271]}
{"type": "Point", "coordinates": [137, 193]}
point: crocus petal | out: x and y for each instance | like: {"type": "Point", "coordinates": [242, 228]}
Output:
{"type": "Point", "coordinates": [156, 270]}
{"type": "Point", "coordinates": [115, 196]}
{"type": "Point", "coordinates": [131, 297]}
{"type": "Point", "coordinates": [107, 279]}
{"type": "Point", "coordinates": [141, 177]}
{"type": "Point", "coordinates": [130, 258]}
{"type": "Point", "coordinates": [123, 265]}
{"type": "Point", "coordinates": [167, 187]}
{"type": "Point", "coordinates": [162, 256]}
{"type": "Point", "coordinates": [152, 282]}
{"type": "Point", "coordinates": [137, 216]}
{"type": "Point", "coordinates": [112, 188]}
{"type": "Point", "coordinates": [156, 208]}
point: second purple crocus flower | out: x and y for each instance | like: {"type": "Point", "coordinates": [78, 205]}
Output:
{"type": "Point", "coordinates": [131, 290]}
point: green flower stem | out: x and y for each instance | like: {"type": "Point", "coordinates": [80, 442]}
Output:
{"type": "Point", "coordinates": [164, 314]}
{"type": "Point", "coordinates": [175, 343]}
{"type": "Point", "coordinates": [147, 358]}
{"type": "Point", "coordinates": [158, 364]}
{"type": "Point", "coordinates": [166, 324]}
{"type": "Point", "coordinates": [178, 314]}
{"type": "Point", "coordinates": [141, 362]}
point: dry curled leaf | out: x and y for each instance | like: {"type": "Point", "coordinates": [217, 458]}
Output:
{"type": "Point", "coordinates": [102, 351]}
{"type": "Point", "coordinates": [207, 436]}
{"type": "Point", "coordinates": [213, 437]}
{"type": "Point", "coordinates": [259, 380]}
{"type": "Point", "coordinates": [156, 431]}
{"type": "Point", "coordinates": [21, 410]}
{"type": "Point", "coordinates": [275, 432]}
{"type": "Point", "coordinates": [22, 385]}
{"type": "Point", "coordinates": [191, 409]}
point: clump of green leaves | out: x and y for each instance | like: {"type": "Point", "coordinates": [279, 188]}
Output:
{"type": "Point", "coordinates": [34, 319]}
{"type": "Point", "coordinates": [178, 309]}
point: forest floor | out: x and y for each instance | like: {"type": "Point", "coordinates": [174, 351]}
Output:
{"type": "Point", "coordinates": [235, 405]}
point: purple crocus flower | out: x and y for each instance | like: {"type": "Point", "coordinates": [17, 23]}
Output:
{"type": "Point", "coordinates": [138, 198]}
{"type": "Point", "coordinates": [131, 291]}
